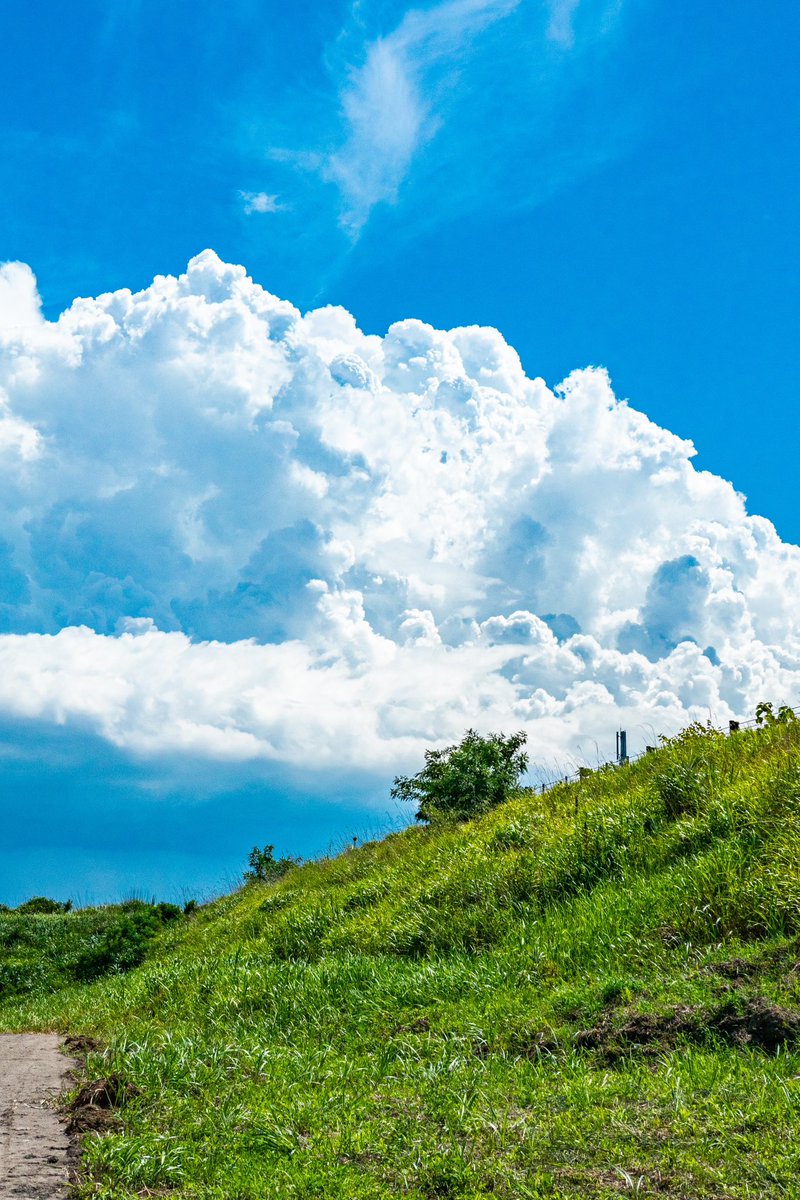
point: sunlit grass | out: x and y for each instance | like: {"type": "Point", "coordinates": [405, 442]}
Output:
{"type": "Point", "coordinates": [406, 1019]}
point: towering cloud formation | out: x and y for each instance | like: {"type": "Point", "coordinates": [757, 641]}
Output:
{"type": "Point", "coordinates": [236, 531]}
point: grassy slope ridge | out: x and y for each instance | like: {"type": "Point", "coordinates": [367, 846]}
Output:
{"type": "Point", "coordinates": [594, 993]}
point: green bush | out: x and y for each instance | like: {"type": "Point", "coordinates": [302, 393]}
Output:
{"type": "Point", "coordinates": [125, 944]}
{"type": "Point", "coordinates": [263, 867]}
{"type": "Point", "coordinates": [168, 912]}
{"type": "Point", "coordinates": [42, 906]}
{"type": "Point", "coordinates": [466, 780]}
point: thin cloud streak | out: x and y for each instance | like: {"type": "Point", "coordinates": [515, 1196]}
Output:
{"type": "Point", "coordinates": [387, 105]}
{"type": "Point", "coordinates": [560, 28]}
{"type": "Point", "coordinates": [457, 107]}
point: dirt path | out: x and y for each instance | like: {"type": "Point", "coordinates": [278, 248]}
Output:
{"type": "Point", "coordinates": [33, 1143]}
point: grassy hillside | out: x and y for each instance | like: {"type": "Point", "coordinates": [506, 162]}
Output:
{"type": "Point", "coordinates": [590, 993]}
{"type": "Point", "coordinates": [44, 946]}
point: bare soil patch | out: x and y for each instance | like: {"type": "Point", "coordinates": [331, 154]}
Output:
{"type": "Point", "coordinates": [755, 1022]}
{"type": "Point", "coordinates": [80, 1044]}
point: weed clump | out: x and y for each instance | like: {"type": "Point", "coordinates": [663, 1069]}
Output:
{"type": "Point", "coordinates": [679, 789]}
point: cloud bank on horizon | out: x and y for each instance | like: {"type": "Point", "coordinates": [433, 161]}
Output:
{"type": "Point", "coordinates": [240, 533]}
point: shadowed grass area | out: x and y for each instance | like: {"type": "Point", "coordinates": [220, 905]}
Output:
{"type": "Point", "coordinates": [590, 993]}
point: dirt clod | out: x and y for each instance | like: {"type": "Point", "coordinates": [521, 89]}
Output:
{"type": "Point", "coordinates": [639, 1031]}
{"type": "Point", "coordinates": [90, 1118]}
{"type": "Point", "coordinates": [533, 1044]}
{"type": "Point", "coordinates": [92, 1108]}
{"type": "Point", "coordinates": [110, 1092]}
{"type": "Point", "coordinates": [757, 1023]}
{"type": "Point", "coordinates": [735, 968]}
{"type": "Point", "coordinates": [81, 1044]}
{"type": "Point", "coordinates": [418, 1025]}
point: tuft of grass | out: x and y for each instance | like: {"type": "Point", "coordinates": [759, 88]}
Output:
{"type": "Point", "coordinates": [589, 993]}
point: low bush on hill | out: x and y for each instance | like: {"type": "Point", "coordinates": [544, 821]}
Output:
{"type": "Point", "coordinates": [45, 946]}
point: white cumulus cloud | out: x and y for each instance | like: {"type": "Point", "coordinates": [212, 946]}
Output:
{"type": "Point", "coordinates": [234, 531]}
{"type": "Point", "coordinates": [19, 299]}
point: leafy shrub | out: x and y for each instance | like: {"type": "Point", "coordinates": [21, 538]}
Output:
{"type": "Point", "coordinates": [766, 715]}
{"type": "Point", "coordinates": [696, 735]}
{"type": "Point", "coordinates": [125, 944]}
{"type": "Point", "coordinates": [263, 867]}
{"type": "Point", "coordinates": [466, 780]}
{"type": "Point", "coordinates": [168, 912]}
{"type": "Point", "coordinates": [41, 905]}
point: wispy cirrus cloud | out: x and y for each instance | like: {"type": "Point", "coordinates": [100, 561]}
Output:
{"type": "Point", "coordinates": [388, 101]}
{"type": "Point", "coordinates": [560, 28]}
{"type": "Point", "coordinates": [457, 106]}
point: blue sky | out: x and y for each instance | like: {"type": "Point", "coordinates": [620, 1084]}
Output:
{"type": "Point", "coordinates": [623, 193]}
{"type": "Point", "coordinates": [607, 183]}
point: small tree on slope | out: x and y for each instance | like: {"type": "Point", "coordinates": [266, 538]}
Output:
{"type": "Point", "coordinates": [466, 780]}
{"type": "Point", "coordinates": [263, 867]}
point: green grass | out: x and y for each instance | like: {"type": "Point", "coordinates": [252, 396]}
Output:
{"type": "Point", "coordinates": [43, 952]}
{"type": "Point", "coordinates": [591, 993]}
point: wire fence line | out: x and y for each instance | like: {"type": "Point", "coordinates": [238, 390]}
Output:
{"type": "Point", "coordinates": [734, 726]}
{"type": "Point", "coordinates": [396, 820]}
